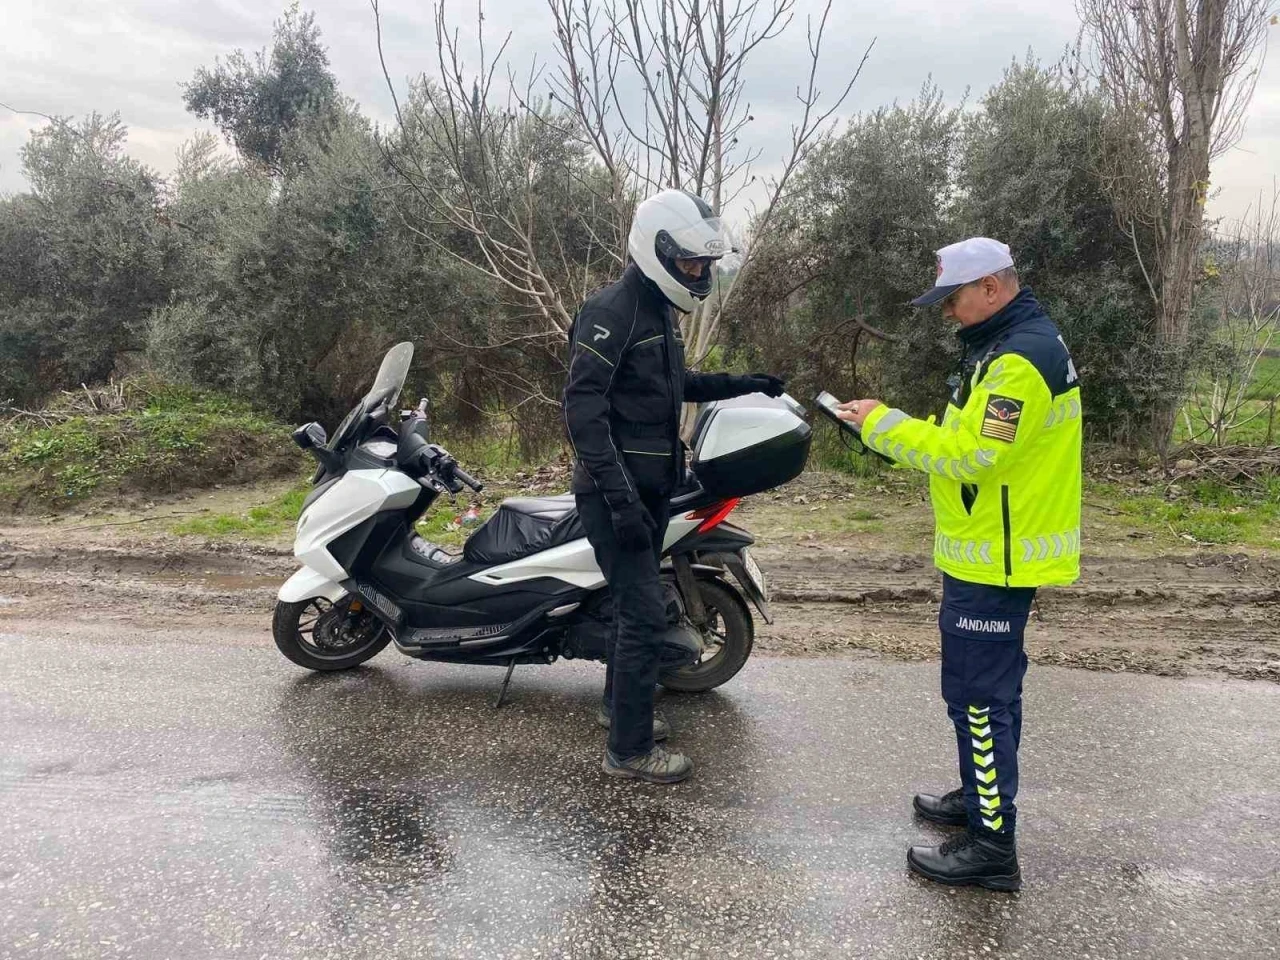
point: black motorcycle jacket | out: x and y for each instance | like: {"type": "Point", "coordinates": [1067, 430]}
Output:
{"type": "Point", "coordinates": [626, 387]}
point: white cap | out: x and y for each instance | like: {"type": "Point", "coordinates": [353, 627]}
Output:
{"type": "Point", "coordinates": [965, 262]}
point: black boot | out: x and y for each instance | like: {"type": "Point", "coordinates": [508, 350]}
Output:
{"type": "Point", "coordinates": [947, 810]}
{"type": "Point", "coordinates": [970, 860]}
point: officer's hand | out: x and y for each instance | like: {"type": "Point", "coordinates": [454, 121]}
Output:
{"type": "Point", "coordinates": [857, 411]}
{"type": "Point", "coordinates": [633, 527]}
{"type": "Point", "coordinates": [765, 383]}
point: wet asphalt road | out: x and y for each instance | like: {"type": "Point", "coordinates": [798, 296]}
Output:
{"type": "Point", "coordinates": [196, 796]}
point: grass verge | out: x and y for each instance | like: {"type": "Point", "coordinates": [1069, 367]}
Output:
{"type": "Point", "coordinates": [160, 439]}
{"type": "Point", "coordinates": [270, 521]}
{"type": "Point", "coordinates": [1204, 512]}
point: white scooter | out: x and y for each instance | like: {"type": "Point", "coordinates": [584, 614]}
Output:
{"type": "Point", "coordinates": [526, 587]}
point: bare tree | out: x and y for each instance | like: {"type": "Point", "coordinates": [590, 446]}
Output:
{"type": "Point", "coordinates": [1246, 305]}
{"type": "Point", "coordinates": [479, 171]}
{"type": "Point", "coordinates": [645, 95]}
{"type": "Point", "coordinates": [660, 88]}
{"type": "Point", "coordinates": [1179, 75]}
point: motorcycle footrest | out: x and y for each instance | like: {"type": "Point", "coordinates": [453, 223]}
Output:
{"type": "Point", "coordinates": [451, 636]}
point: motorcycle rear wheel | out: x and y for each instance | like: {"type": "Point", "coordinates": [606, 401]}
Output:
{"type": "Point", "coordinates": [325, 636]}
{"type": "Point", "coordinates": [729, 634]}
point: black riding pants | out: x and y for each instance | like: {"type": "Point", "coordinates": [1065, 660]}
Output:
{"type": "Point", "coordinates": [639, 619]}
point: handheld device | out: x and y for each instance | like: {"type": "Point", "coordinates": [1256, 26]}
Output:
{"type": "Point", "coordinates": [829, 406]}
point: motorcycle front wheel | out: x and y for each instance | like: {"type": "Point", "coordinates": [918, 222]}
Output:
{"type": "Point", "coordinates": [321, 635]}
{"type": "Point", "coordinates": [728, 636]}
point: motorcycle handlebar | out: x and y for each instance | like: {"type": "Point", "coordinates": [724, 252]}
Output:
{"type": "Point", "coordinates": [466, 478]}
{"type": "Point", "coordinates": [432, 459]}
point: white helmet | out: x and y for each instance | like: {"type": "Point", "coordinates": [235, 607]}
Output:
{"type": "Point", "coordinates": [674, 225]}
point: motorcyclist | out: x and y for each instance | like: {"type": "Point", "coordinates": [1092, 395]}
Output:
{"type": "Point", "coordinates": [622, 407]}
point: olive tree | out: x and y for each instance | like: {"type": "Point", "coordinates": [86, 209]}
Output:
{"type": "Point", "coordinates": [1026, 177]}
{"type": "Point", "coordinates": [84, 257]}
{"type": "Point", "coordinates": [258, 102]}
{"type": "Point", "coordinates": [851, 245]}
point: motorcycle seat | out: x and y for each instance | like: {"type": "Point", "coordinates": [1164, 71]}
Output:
{"type": "Point", "coordinates": [522, 527]}
{"type": "Point", "coordinates": [543, 508]}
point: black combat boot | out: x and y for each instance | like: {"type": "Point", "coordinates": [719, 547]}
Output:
{"type": "Point", "coordinates": [947, 810]}
{"type": "Point", "coordinates": [970, 859]}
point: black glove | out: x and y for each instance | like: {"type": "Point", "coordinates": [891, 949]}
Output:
{"type": "Point", "coordinates": [633, 527]}
{"type": "Point", "coordinates": [765, 383]}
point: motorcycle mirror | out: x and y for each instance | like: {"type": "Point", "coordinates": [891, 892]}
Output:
{"type": "Point", "coordinates": [310, 435]}
{"type": "Point", "coordinates": [423, 404]}
{"type": "Point", "coordinates": [417, 413]}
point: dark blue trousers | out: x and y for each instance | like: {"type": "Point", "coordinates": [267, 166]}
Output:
{"type": "Point", "coordinates": [983, 663]}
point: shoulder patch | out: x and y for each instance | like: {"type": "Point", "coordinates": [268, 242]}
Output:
{"type": "Point", "coordinates": [1000, 420]}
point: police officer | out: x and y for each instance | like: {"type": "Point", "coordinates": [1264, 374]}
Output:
{"type": "Point", "coordinates": [622, 407]}
{"type": "Point", "coordinates": [1004, 476]}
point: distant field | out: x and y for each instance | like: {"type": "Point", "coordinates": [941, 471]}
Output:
{"type": "Point", "coordinates": [1258, 418]}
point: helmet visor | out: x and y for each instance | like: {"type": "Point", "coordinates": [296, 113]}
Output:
{"type": "Point", "coordinates": [699, 283]}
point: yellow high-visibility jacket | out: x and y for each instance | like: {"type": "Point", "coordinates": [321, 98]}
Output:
{"type": "Point", "coordinates": [1004, 464]}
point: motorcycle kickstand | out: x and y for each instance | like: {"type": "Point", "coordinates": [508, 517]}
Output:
{"type": "Point", "coordinates": [506, 682]}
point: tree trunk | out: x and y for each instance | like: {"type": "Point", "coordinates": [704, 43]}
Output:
{"type": "Point", "coordinates": [1185, 71]}
{"type": "Point", "coordinates": [1180, 268]}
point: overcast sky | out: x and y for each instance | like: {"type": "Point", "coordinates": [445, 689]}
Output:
{"type": "Point", "coordinates": [69, 57]}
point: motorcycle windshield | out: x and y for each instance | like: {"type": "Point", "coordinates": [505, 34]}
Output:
{"type": "Point", "coordinates": [385, 390]}
{"type": "Point", "coordinates": [390, 380]}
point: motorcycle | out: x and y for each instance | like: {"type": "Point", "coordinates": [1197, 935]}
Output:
{"type": "Point", "coordinates": [526, 587]}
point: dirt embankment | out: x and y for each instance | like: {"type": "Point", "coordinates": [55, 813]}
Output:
{"type": "Point", "coordinates": [1201, 614]}
{"type": "Point", "coordinates": [1208, 613]}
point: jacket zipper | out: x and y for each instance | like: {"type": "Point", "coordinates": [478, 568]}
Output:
{"type": "Point", "coordinates": [1008, 533]}
{"type": "Point", "coordinates": [668, 328]}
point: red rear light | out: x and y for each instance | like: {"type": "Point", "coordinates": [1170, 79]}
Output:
{"type": "Point", "coordinates": [712, 516]}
